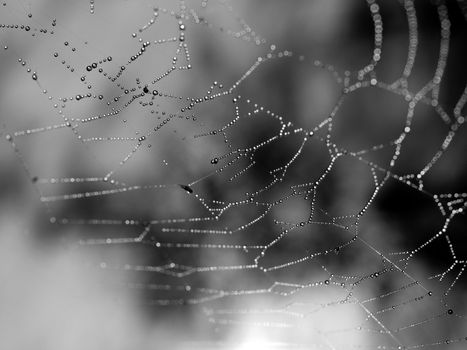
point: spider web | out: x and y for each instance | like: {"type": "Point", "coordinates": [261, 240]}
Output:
{"type": "Point", "coordinates": [164, 145]}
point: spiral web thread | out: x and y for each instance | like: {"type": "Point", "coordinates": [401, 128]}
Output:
{"type": "Point", "coordinates": [178, 279]}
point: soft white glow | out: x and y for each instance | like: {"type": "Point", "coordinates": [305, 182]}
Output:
{"type": "Point", "coordinates": [255, 344]}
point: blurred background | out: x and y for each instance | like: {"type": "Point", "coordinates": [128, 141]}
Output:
{"type": "Point", "coordinates": [129, 219]}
